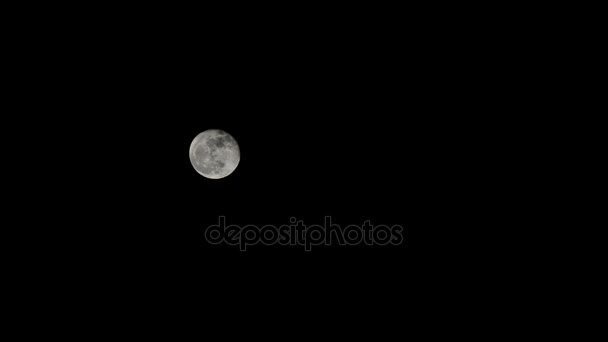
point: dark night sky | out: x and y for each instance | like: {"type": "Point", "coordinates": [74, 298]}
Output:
{"type": "Point", "coordinates": [344, 134]}
{"type": "Point", "coordinates": [350, 124]}
{"type": "Point", "coordinates": [386, 115]}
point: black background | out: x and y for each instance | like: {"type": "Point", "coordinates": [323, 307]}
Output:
{"type": "Point", "coordinates": [358, 119]}
{"type": "Point", "coordinates": [313, 143]}
{"type": "Point", "coordinates": [328, 127]}
{"type": "Point", "coordinates": [395, 115]}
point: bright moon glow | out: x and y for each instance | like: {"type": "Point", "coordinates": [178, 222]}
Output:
{"type": "Point", "coordinates": [214, 154]}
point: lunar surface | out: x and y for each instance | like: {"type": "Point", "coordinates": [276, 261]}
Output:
{"type": "Point", "coordinates": [214, 154]}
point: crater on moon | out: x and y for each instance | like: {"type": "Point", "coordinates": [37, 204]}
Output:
{"type": "Point", "coordinates": [214, 154]}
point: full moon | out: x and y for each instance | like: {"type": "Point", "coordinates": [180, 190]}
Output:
{"type": "Point", "coordinates": [214, 154]}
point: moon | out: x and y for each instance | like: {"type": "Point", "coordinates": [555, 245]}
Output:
{"type": "Point", "coordinates": [214, 154]}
